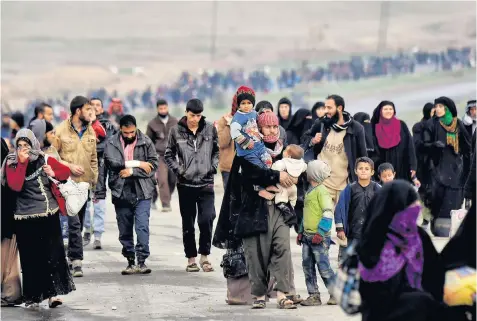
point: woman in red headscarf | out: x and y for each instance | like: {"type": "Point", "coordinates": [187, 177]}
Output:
{"type": "Point", "coordinates": [393, 142]}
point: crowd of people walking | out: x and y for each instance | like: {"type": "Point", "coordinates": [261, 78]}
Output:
{"type": "Point", "coordinates": [366, 177]}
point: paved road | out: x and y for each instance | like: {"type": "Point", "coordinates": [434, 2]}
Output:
{"type": "Point", "coordinates": [169, 293]}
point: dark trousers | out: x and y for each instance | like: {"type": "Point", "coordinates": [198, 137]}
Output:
{"type": "Point", "coordinates": [75, 239]}
{"type": "Point", "coordinates": [166, 180]}
{"type": "Point", "coordinates": [197, 202]}
{"type": "Point", "coordinates": [134, 216]}
{"type": "Point", "coordinates": [225, 178]}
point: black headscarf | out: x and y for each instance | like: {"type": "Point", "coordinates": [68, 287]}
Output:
{"type": "Point", "coordinates": [262, 105]}
{"type": "Point", "coordinates": [284, 122]}
{"type": "Point", "coordinates": [449, 103]}
{"type": "Point", "coordinates": [426, 111]}
{"type": "Point", "coordinates": [365, 121]}
{"type": "Point", "coordinates": [377, 111]}
{"type": "Point", "coordinates": [392, 198]}
{"type": "Point", "coordinates": [317, 105]}
{"type": "Point", "coordinates": [299, 121]}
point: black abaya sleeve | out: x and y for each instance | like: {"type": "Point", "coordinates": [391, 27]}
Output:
{"type": "Point", "coordinates": [465, 148]}
{"type": "Point", "coordinates": [433, 275]}
{"type": "Point", "coordinates": [411, 151]}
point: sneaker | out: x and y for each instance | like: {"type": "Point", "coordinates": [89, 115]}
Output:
{"type": "Point", "coordinates": [332, 301]}
{"type": "Point", "coordinates": [153, 206]}
{"type": "Point", "coordinates": [143, 269]}
{"type": "Point", "coordinates": [77, 270]}
{"type": "Point", "coordinates": [131, 268]}
{"type": "Point", "coordinates": [97, 245]}
{"type": "Point", "coordinates": [166, 209]}
{"type": "Point", "coordinates": [312, 300]}
{"type": "Point", "coordinates": [86, 239]}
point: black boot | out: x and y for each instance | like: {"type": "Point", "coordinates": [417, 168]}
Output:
{"type": "Point", "coordinates": [131, 268]}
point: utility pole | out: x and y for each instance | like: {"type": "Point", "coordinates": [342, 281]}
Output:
{"type": "Point", "coordinates": [383, 26]}
{"type": "Point", "coordinates": [213, 39]}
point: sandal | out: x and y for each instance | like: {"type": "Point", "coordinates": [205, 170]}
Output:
{"type": "Point", "coordinates": [192, 268]}
{"type": "Point", "coordinates": [296, 298]}
{"type": "Point", "coordinates": [259, 304]}
{"type": "Point", "coordinates": [54, 302]}
{"type": "Point", "coordinates": [206, 266]}
{"type": "Point", "coordinates": [286, 303]}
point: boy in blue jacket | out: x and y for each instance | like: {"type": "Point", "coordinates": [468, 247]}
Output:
{"type": "Point", "coordinates": [350, 212]}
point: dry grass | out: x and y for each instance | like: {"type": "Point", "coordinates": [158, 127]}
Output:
{"type": "Point", "coordinates": [40, 39]}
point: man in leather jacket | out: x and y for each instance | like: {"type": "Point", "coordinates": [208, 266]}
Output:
{"type": "Point", "coordinates": [195, 142]}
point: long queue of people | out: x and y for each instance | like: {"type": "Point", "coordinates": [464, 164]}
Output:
{"type": "Point", "coordinates": [311, 170]}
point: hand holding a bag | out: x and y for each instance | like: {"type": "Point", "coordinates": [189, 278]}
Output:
{"type": "Point", "coordinates": [48, 170]}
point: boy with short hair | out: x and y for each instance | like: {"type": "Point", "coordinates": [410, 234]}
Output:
{"type": "Point", "coordinates": [386, 173]}
{"type": "Point", "coordinates": [350, 212]}
{"type": "Point", "coordinates": [314, 232]}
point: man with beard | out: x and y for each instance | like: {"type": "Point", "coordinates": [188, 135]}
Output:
{"type": "Point", "coordinates": [43, 112]}
{"type": "Point", "coordinates": [76, 142]}
{"type": "Point", "coordinates": [99, 201]}
{"type": "Point", "coordinates": [338, 140]}
{"type": "Point", "coordinates": [132, 161]}
{"type": "Point", "coordinates": [158, 131]}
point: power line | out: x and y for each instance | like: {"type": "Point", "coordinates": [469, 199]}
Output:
{"type": "Point", "coordinates": [383, 26]}
{"type": "Point", "coordinates": [213, 35]}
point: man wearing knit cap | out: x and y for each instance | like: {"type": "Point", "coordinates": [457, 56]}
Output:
{"type": "Point", "coordinates": [265, 106]}
{"type": "Point", "coordinates": [76, 141]}
{"type": "Point", "coordinates": [244, 130]}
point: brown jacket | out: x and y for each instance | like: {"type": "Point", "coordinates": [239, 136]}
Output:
{"type": "Point", "coordinates": [226, 145]}
{"type": "Point", "coordinates": [78, 151]}
{"type": "Point", "coordinates": [158, 132]}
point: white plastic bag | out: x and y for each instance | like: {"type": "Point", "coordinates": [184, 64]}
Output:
{"type": "Point", "coordinates": [457, 216]}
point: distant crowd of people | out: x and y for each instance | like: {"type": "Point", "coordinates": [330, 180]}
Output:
{"type": "Point", "coordinates": [206, 84]}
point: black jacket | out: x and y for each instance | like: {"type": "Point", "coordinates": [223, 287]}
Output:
{"type": "Point", "coordinates": [145, 151]}
{"type": "Point", "coordinates": [354, 143]}
{"type": "Point", "coordinates": [198, 155]}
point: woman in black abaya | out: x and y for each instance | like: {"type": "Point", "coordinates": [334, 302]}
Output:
{"type": "Point", "coordinates": [402, 275]}
{"type": "Point", "coordinates": [393, 142]}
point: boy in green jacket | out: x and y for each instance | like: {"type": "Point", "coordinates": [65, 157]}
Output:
{"type": "Point", "coordinates": [314, 233]}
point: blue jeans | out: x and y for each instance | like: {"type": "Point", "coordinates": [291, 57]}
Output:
{"type": "Point", "coordinates": [99, 210]}
{"type": "Point", "coordinates": [64, 226]}
{"type": "Point", "coordinates": [134, 216]}
{"type": "Point", "coordinates": [316, 254]}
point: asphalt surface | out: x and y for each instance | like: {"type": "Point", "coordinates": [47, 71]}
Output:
{"type": "Point", "coordinates": [169, 292]}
